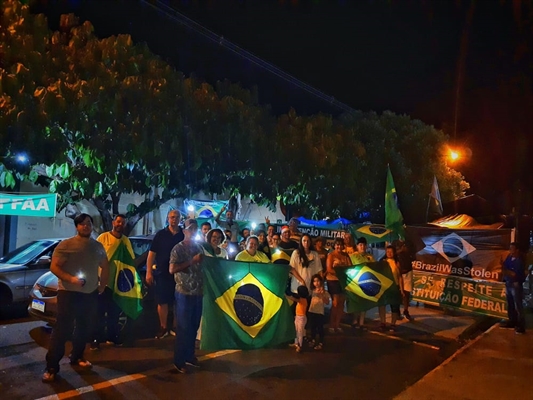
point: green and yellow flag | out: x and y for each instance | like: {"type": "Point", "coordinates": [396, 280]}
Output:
{"type": "Point", "coordinates": [127, 286]}
{"type": "Point", "coordinates": [244, 305]}
{"type": "Point", "coordinates": [368, 285]}
{"type": "Point", "coordinates": [393, 215]}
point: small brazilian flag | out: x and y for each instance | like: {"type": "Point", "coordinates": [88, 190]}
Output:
{"type": "Point", "coordinates": [369, 285]}
{"type": "Point", "coordinates": [127, 286]}
{"type": "Point", "coordinates": [244, 305]}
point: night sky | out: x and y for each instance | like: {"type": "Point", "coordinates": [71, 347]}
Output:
{"type": "Point", "coordinates": [462, 66]}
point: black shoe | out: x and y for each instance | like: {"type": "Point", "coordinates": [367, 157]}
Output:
{"type": "Point", "coordinates": [507, 325]}
{"type": "Point", "coordinates": [193, 363]}
{"type": "Point", "coordinates": [519, 331]}
{"type": "Point", "coordinates": [407, 315]}
{"type": "Point", "coordinates": [94, 346]}
{"type": "Point", "coordinates": [163, 332]}
{"type": "Point", "coordinates": [180, 370]}
{"type": "Point", "coordinates": [81, 363]}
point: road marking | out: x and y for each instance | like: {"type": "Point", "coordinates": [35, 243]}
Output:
{"type": "Point", "coordinates": [405, 340]}
{"type": "Point", "coordinates": [125, 379]}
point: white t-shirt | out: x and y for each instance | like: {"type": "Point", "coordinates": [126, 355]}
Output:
{"type": "Point", "coordinates": [315, 266]}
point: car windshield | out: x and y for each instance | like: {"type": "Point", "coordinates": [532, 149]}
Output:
{"type": "Point", "coordinates": [26, 253]}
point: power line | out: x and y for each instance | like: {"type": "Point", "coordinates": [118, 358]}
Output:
{"type": "Point", "coordinates": [192, 25]}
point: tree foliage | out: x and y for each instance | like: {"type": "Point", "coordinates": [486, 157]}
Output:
{"type": "Point", "coordinates": [103, 117]}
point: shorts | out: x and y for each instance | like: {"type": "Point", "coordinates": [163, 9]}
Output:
{"type": "Point", "coordinates": [395, 308]}
{"type": "Point", "coordinates": [164, 288]}
{"type": "Point", "coordinates": [408, 281]}
{"type": "Point", "coordinates": [334, 287]}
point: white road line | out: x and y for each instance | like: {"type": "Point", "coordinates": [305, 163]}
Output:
{"type": "Point", "coordinates": [405, 340]}
{"type": "Point", "coordinates": [126, 378]}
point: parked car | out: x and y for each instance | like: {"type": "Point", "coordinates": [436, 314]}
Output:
{"type": "Point", "coordinates": [20, 269]}
{"type": "Point", "coordinates": [43, 295]}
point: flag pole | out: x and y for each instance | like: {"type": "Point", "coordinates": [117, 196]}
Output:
{"type": "Point", "coordinates": [427, 209]}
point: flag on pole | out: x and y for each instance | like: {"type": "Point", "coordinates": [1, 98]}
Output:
{"type": "Point", "coordinates": [244, 305]}
{"type": "Point", "coordinates": [435, 195]}
{"type": "Point", "coordinates": [393, 215]}
{"type": "Point", "coordinates": [127, 291]}
{"type": "Point", "coordinates": [369, 285]}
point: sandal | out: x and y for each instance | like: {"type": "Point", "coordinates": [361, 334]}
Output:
{"type": "Point", "coordinates": [318, 346]}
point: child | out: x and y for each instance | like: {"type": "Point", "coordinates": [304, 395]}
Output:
{"type": "Point", "coordinates": [300, 318]}
{"type": "Point", "coordinates": [319, 298]}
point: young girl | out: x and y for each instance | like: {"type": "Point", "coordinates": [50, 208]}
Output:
{"type": "Point", "coordinates": [300, 319]}
{"type": "Point", "coordinates": [319, 298]}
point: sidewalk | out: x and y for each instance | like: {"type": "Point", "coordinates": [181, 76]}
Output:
{"type": "Point", "coordinates": [496, 365]}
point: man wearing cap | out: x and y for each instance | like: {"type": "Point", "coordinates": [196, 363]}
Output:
{"type": "Point", "coordinates": [286, 244]}
{"type": "Point", "coordinates": [185, 264]}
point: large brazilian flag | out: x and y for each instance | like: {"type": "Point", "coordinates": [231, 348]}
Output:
{"type": "Point", "coordinates": [244, 305]}
{"type": "Point", "coordinates": [368, 285]}
{"type": "Point", "coordinates": [127, 283]}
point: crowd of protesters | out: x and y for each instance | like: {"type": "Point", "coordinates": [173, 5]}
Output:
{"type": "Point", "coordinates": [174, 272]}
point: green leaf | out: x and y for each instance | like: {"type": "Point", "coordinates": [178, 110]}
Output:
{"type": "Point", "coordinates": [87, 158]}
{"type": "Point", "coordinates": [64, 171]}
{"type": "Point", "coordinates": [130, 208]}
{"type": "Point", "coordinates": [53, 186]}
{"type": "Point", "coordinates": [98, 189]}
{"type": "Point", "coordinates": [3, 179]}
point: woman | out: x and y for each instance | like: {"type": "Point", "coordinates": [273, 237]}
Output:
{"type": "Point", "coordinates": [337, 258]}
{"type": "Point", "coordinates": [396, 299]}
{"type": "Point", "coordinates": [214, 239]}
{"type": "Point", "coordinates": [263, 243]}
{"type": "Point", "coordinates": [349, 244]}
{"type": "Point", "coordinates": [271, 230]}
{"type": "Point", "coordinates": [251, 254]}
{"type": "Point", "coordinates": [322, 253]}
{"type": "Point", "coordinates": [306, 262]}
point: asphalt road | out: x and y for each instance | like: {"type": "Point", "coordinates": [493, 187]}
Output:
{"type": "Point", "coordinates": [364, 366]}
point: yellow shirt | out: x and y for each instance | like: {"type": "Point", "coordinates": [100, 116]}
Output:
{"type": "Point", "coordinates": [259, 257]}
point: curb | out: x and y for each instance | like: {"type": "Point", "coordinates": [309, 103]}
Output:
{"type": "Point", "coordinates": [449, 359]}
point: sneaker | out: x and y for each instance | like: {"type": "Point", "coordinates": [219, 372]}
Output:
{"type": "Point", "coordinates": [180, 370]}
{"type": "Point", "coordinates": [49, 376]}
{"type": "Point", "coordinates": [331, 330]}
{"type": "Point", "coordinates": [407, 315]}
{"type": "Point", "coordinates": [172, 332]}
{"type": "Point", "coordinates": [94, 346]}
{"type": "Point", "coordinates": [163, 332]}
{"type": "Point", "coordinates": [318, 346]}
{"type": "Point", "coordinates": [392, 328]}
{"type": "Point", "coordinates": [520, 331]}
{"type": "Point", "coordinates": [193, 363]}
{"type": "Point", "coordinates": [81, 363]}
{"type": "Point", "coordinates": [507, 325]}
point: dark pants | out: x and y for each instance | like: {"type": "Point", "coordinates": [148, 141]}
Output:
{"type": "Point", "coordinates": [107, 318]}
{"type": "Point", "coordinates": [75, 311]}
{"type": "Point", "coordinates": [514, 293]}
{"type": "Point", "coordinates": [188, 315]}
{"type": "Point", "coordinates": [316, 324]}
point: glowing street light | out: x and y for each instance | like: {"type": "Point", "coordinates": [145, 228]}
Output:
{"type": "Point", "coordinates": [454, 155]}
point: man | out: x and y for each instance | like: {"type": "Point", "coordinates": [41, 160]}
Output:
{"type": "Point", "coordinates": [245, 233]}
{"type": "Point", "coordinates": [75, 262]}
{"type": "Point", "coordinates": [229, 224]}
{"type": "Point", "coordinates": [514, 277]}
{"type": "Point", "coordinates": [294, 233]}
{"type": "Point", "coordinates": [204, 228]}
{"type": "Point", "coordinates": [405, 259]}
{"type": "Point", "coordinates": [185, 260]}
{"type": "Point", "coordinates": [286, 244]}
{"type": "Point", "coordinates": [108, 310]}
{"type": "Point", "coordinates": [361, 256]}
{"type": "Point", "coordinates": [251, 254]}
{"type": "Point", "coordinates": [159, 256]}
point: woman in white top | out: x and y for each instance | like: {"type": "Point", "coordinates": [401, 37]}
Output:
{"type": "Point", "coordinates": [306, 261]}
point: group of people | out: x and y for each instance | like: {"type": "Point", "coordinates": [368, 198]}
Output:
{"type": "Point", "coordinates": [86, 270]}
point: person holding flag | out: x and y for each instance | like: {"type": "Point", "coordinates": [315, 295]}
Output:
{"type": "Point", "coordinates": [123, 288]}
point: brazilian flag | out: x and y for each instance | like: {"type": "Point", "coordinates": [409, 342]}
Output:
{"type": "Point", "coordinates": [244, 305]}
{"type": "Point", "coordinates": [369, 285]}
{"type": "Point", "coordinates": [127, 283]}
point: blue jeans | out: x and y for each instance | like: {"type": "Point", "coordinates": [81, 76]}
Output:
{"type": "Point", "coordinates": [188, 314]}
{"type": "Point", "coordinates": [515, 307]}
